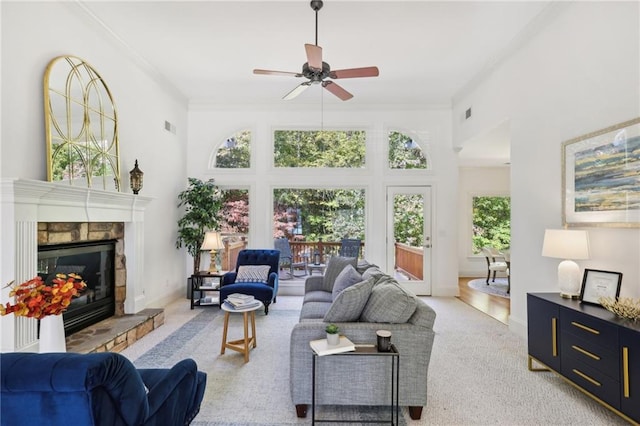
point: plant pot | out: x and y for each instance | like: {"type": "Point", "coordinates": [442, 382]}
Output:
{"type": "Point", "coordinates": [333, 339]}
{"type": "Point", "coordinates": [52, 334]}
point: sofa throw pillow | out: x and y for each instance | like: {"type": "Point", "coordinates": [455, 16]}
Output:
{"type": "Point", "coordinates": [349, 304]}
{"type": "Point", "coordinates": [253, 274]}
{"type": "Point", "coordinates": [389, 303]}
{"type": "Point", "coordinates": [348, 277]}
{"type": "Point", "coordinates": [334, 267]}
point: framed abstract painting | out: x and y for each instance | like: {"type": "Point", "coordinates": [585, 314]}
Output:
{"type": "Point", "coordinates": [601, 177]}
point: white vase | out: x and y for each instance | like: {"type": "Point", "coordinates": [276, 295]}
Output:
{"type": "Point", "coordinates": [333, 339]}
{"type": "Point", "coordinates": [52, 334]}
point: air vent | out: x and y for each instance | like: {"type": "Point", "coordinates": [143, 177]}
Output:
{"type": "Point", "coordinates": [467, 114]}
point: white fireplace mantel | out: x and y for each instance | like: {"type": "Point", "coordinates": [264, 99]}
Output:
{"type": "Point", "coordinates": [25, 202]}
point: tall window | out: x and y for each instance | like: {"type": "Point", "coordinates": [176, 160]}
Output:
{"type": "Point", "coordinates": [324, 149]}
{"type": "Point", "coordinates": [235, 151]}
{"type": "Point", "coordinates": [235, 212]}
{"type": "Point", "coordinates": [405, 153]}
{"type": "Point", "coordinates": [311, 214]}
{"type": "Point", "coordinates": [491, 223]}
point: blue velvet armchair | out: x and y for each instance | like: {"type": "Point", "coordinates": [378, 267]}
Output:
{"type": "Point", "coordinates": [102, 389]}
{"type": "Point", "coordinates": [265, 292]}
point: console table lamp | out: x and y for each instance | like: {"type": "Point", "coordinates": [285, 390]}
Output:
{"type": "Point", "coordinates": [213, 243]}
{"type": "Point", "coordinates": [570, 245]}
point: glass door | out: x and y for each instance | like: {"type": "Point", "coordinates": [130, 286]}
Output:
{"type": "Point", "coordinates": [409, 237]}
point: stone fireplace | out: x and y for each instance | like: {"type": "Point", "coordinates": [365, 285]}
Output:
{"type": "Point", "coordinates": [95, 251]}
{"type": "Point", "coordinates": [36, 212]}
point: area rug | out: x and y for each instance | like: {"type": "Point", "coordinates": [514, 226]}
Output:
{"type": "Point", "coordinates": [238, 393]}
{"type": "Point", "coordinates": [497, 288]}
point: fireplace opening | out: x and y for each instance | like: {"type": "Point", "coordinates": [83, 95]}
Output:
{"type": "Point", "coordinates": [94, 262]}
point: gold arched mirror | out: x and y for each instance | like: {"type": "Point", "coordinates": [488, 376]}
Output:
{"type": "Point", "coordinates": [81, 126]}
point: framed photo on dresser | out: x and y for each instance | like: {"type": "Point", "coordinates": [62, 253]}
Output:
{"type": "Point", "coordinates": [597, 284]}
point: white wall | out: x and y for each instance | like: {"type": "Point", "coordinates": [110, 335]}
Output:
{"type": "Point", "coordinates": [209, 127]}
{"type": "Point", "coordinates": [476, 181]}
{"type": "Point", "coordinates": [579, 74]}
{"type": "Point", "coordinates": [30, 39]}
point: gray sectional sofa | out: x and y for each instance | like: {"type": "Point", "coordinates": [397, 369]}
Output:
{"type": "Point", "coordinates": [365, 300]}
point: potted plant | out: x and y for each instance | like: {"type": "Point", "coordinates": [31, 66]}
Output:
{"type": "Point", "coordinates": [333, 338]}
{"type": "Point", "coordinates": [202, 202]}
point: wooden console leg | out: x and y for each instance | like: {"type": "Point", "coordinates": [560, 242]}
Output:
{"type": "Point", "coordinates": [301, 410]}
{"type": "Point", "coordinates": [415, 412]}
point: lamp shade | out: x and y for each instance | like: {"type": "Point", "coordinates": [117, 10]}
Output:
{"type": "Point", "coordinates": [212, 241]}
{"type": "Point", "coordinates": [566, 244]}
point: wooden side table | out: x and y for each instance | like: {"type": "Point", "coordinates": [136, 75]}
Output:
{"type": "Point", "coordinates": [249, 341]}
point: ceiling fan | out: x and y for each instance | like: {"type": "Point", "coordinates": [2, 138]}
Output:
{"type": "Point", "coordinates": [316, 71]}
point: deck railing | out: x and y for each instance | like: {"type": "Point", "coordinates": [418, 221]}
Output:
{"type": "Point", "coordinates": [409, 261]}
{"type": "Point", "coordinates": [408, 258]}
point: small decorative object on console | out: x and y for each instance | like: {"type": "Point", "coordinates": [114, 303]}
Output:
{"type": "Point", "coordinates": [322, 347]}
{"type": "Point", "coordinates": [333, 338]}
{"type": "Point", "coordinates": [624, 307]}
{"type": "Point", "coordinates": [597, 284]}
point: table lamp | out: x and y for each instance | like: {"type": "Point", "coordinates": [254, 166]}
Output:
{"type": "Point", "coordinates": [213, 243]}
{"type": "Point", "coordinates": [569, 245]}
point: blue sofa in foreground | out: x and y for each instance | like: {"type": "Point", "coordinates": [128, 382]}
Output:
{"type": "Point", "coordinates": [96, 389]}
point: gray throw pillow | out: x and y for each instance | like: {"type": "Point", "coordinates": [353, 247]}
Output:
{"type": "Point", "coordinates": [335, 266]}
{"type": "Point", "coordinates": [389, 303]}
{"type": "Point", "coordinates": [349, 304]}
{"type": "Point", "coordinates": [348, 277]}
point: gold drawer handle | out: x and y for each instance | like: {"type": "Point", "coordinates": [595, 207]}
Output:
{"type": "Point", "coordinates": [584, 327]}
{"type": "Point", "coordinates": [587, 378]}
{"type": "Point", "coordinates": [625, 370]}
{"type": "Point", "coordinates": [587, 353]}
{"type": "Point", "coordinates": [554, 337]}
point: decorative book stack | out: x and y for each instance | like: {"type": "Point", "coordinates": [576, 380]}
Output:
{"type": "Point", "coordinates": [241, 301]}
{"type": "Point", "coordinates": [322, 347]}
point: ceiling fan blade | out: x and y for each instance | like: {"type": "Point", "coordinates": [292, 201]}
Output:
{"type": "Point", "coordinates": [270, 72]}
{"type": "Point", "coordinates": [337, 90]}
{"type": "Point", "coordinates": [295, 92]}
{"type": "Point", "coordinates": [314, 56]}
{"type": "Point", "coordinates": [355, 72]}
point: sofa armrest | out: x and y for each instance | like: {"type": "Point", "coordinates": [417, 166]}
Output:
{"type": "Point", "coordinates": [173, 392]}
{"type": "Point", "coordinates": [228, 278]}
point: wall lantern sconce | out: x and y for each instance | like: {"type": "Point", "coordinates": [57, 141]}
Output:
{"type": "Point", "coordinates": [135, 178]}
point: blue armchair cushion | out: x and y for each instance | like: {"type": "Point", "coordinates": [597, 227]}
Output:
{"type": "Point", "coordinates": [96, 389]}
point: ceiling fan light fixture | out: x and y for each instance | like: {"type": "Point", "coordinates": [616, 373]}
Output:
{"type": "Point", "coordinates": [296, 91]}
{"type": "Point", "coordinates": [317, 71]}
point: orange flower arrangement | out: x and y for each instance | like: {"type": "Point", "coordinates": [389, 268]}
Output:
{"type": "Point", "coordinates": [35, 299]}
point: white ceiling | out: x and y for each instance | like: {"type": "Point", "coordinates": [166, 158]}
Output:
{"type": "Point", "coordinates": [427, 51]}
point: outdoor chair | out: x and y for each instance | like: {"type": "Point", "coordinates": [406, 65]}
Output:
{"type": "Point", "coordinates": [286, 258]}
{"type": "Point", "coordinates": [493, 264]}
{"type": "Point", "coordinates": [350, 247]}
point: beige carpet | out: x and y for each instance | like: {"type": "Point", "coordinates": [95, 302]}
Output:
{"type": "Point", "coordinates": [478, 373]}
